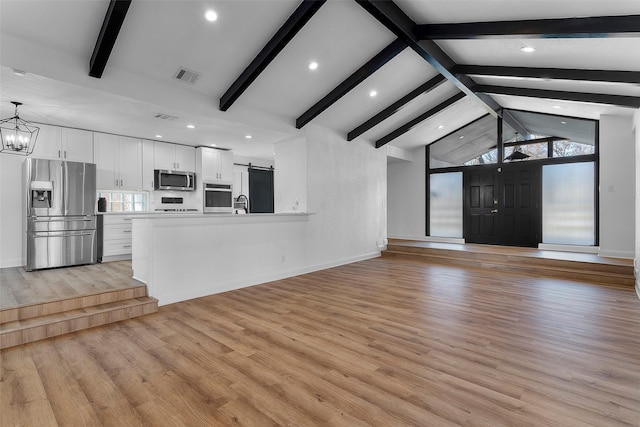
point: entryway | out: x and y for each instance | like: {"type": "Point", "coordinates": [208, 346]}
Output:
{"type": "Point", "coordinates": [503, 205]}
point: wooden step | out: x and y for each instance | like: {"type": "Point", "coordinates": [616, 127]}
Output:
{"type": "Point", "coordinates": [531, 262]}
{"type": "Point", "coordinates": [45, 308]}
{"type": "Point", "coordinates": [19, 332]}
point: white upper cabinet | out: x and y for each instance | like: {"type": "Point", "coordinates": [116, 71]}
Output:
{"type": "Point", "coordinates": [60, 143]}
{"type": "Point", "coordinates": [186, 158]}
{"type": "Point", "coordinates": [147, 165]}
{"type": "Point", "coordinates": [130, 163]}
{"type": "Point", "coordinates": [214, 165]}
{"type": "Point", "coordinates": [119, 161]}
{"type": "Point", "coordinates": [174, 157]}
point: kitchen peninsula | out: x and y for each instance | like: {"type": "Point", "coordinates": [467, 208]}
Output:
{"type": "Point", "coordinates": [185, 256]}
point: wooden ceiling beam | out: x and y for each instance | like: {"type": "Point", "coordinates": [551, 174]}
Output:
{"type": "Point", "coordinates": [396, 106]}
{"type": "Point", "coordinates": [374, 64]}
{"type": "Point", "coordinates": [597, 98]}
{"type": "Point", "coordinates": [281, 38]}
{"type": "Point", "coordinates": [589, 27]}
{"type": "Point", "coordinates": [416, 121]}
{"type": "Point", "coordinates": [116, 12]}
{"type": "Point", "coordinates": [551, 73]}
{"type": "Point", "coordinates": [396, 21]}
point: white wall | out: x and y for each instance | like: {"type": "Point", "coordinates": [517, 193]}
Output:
{"type": "Point", "coordinates": [406, 196]}
{"type": "Point", "coordinates": [11, 210]}
{"type": "Point", "coordinates": [290, 179]}
{"type": "Point", "coordinates": [346, 185]}
{"type": "Point", "coordinates": [617, 187]}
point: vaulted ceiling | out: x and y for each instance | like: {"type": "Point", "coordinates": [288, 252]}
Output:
{"type": "Point", "coordinates": [435, 65]}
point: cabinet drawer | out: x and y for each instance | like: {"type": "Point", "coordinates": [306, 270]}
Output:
{"type": "Point", "coordinates": [116, 247]}
{"type": "Point", "coordinates": [116, 219]}
{"type": "Point", "coordinates": [111, 233]}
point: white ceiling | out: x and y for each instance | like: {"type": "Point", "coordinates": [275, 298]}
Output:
{"type": "Point", "coordinates": [52, 40]}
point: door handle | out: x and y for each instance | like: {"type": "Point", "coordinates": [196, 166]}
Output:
{"type": "Point", "coordinates": [494, 210]}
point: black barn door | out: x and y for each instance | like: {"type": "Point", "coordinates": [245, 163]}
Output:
{"type": "Point", "coordinates": [260, 191]}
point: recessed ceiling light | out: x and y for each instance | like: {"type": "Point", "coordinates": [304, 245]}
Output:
{"type": "Point", "coordinates": [158, 136]}
{"type": "Point", "coordinates": [211, 15]}
{"type": "Point", "coordinates": [564, 123]}
{"type": "Point", "coordinates": [313, 65]}
{"type": "Point", "coordinates": [191, 126]}
{"type": "Point", "coordinates": [527, 49]}
{"type": "Point", "coordinates": [557, 107]}
{"type": "Point", "coordinates": [373, 93]}
{"type": "Point", "coordinates": [248, 136]}
{"type": "Point", "coordinates": [213, 145]}
{"type": "Point", "coordinates": [20, 73]}
{"type": "Point", "coordinates": [441, 127]}
{"type": "Point", "coordinates": [461, 136]}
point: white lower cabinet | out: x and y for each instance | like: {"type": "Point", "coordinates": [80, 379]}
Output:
{"type": "Point", "coordinates": [116, 244]}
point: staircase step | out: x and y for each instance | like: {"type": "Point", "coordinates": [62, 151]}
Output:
{"type": "Point", "coordinates": [29, 311]}
{"type": "Point", "coordinates": [530, 262]}
{"type": "Point", "coordinates": [33, 329]}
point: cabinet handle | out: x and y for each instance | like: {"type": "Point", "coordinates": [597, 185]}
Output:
{"type": "Point", "coordinates": [126, 231]}
{"type": "Point", "coordinates": [65, 154]}
{"type": "Point", "coordinates": [116, 182]}
{"type": "Point", "coordinates": [121, 183]}
{"type": "Point", "coordinates": [59, 154]}
{"type": "Point", "coordinates": [127, 246]}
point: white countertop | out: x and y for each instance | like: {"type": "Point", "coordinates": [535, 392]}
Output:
{"type": "Point", "coordinates": [167, 215]}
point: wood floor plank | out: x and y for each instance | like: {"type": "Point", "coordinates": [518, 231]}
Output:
{"type": "Point", "coordinates": [383, 342]}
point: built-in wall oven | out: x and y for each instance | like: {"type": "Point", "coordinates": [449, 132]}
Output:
{"type": "Point", "coordinates": [218, 198]}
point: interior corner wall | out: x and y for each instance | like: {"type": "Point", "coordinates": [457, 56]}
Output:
{"type": "Point", "coordinates": [347, 188]}
{"type": "Point", "coordinates": [12, 233]}
{"type": "Point", "coordinates": [617, 187]}
{"type": "Point", "coordinates": [406, 197]}
{"type": "Point", "coordinates": [636, 123]}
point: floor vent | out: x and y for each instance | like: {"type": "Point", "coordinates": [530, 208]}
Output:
{"type": "Point", "coordinates": [186, 75]}
{"type": "Point", "coordinates": [164, 116]}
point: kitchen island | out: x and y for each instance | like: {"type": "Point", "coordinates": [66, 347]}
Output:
{"type": "Point", "coordinates": [185, 256]}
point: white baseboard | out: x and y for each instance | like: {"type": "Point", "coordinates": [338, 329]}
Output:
{"type": "Point", "coordinates": [617, 254]}
{"type": "Point", "coordinates": [202, 291]}
{"type": "Point", "coordinates": [11, 262]}
{"type": "Point", "coordinates": [569, 248]}
{"type": "Point", "coordinates": [430, 239]}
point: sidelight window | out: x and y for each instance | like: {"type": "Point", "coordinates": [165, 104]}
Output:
{"type": "Point", "coordinates": [445, 204]}
{"type": "Point", "coordinates": [568, 204]}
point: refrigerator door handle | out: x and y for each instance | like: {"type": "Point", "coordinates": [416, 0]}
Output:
{"type": "Point", "coordinates": [63, 219]}
{"type": "Point", "coordinates": [46, 235]}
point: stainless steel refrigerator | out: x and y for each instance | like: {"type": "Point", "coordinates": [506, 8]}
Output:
{"type": "Point", "coordinates": [60, 213]}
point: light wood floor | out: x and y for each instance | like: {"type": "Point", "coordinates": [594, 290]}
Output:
{"type": "Point", "coordinates": [383, 342]}
{"type": "Point", "coordinates": [20, 288]}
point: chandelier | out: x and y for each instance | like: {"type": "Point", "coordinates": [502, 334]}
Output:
{"type": "Point", "coordinates": [18, 136]}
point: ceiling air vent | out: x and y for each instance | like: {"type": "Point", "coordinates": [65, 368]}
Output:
{"type": "Point", "coordinates": [186, 75]}
{"type": "Point", "coordinates": [164, 116]}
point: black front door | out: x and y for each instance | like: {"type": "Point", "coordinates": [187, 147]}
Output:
{"type": "Point", "coordinates": [520, 205]}
{"type": "Point", "coordinates": [481, 190]}
{"type": "Point", "coordinates": [502, 204]}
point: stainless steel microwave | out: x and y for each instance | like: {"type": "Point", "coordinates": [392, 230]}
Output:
{"type": "Point", "coordinates": [218, 198]}
{"type": "Point", "coordinates": [174, 180]}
